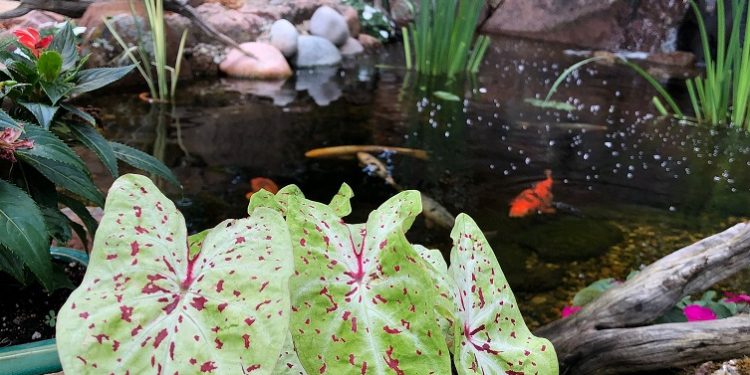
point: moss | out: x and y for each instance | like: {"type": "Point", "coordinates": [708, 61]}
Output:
{"type": "Point", "coordinates": [571, 238]}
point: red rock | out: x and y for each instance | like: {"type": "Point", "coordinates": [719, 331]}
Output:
{"type": "Point", "coordinates": [268, 63]}
{"type": "Point", "coordinates": [369, 42]}
{"type": "Point", "coordinates": [352, 20]}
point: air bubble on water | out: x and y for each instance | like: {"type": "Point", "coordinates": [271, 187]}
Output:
{"type": "Point", "coordinates": [608, 144]}
{"type": "Point", "coordinates": [527, 161]}
{"type": "Point", "coordinates": [672, 209]}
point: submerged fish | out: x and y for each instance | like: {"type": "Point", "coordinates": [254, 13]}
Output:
{"type": "Point", "coordinates": [435, 213]}
{"type": "Point", "coordinates": [263, 183]}
{"type": "Point", "coordinates": [374, 167]}
{"type": "Point", "coordinates": [535, 199]}
{"type": "Point", "coordinates": [350, 151]}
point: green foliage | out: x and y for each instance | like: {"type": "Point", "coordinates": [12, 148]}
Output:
{"type": "Point", "coordinates": [164, 85]}
{"type": "Point", "coordinates": [441, 38]}
{"type": "Point", "coordinates": [309, 295]}
{"type": "Point", "coordinates": [147, 303]}
{"type": "Point", "coordinates": [40, 170]}
{"type": "Point", "coordinates": [373, 21]}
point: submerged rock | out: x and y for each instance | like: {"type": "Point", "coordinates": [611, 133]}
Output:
{"type": "Point", "coordinates": [329, 24]}
{"type": "Point", "coordinates": [315, 51]}
{"type": "Point", "coordinates": [351, 47]}
{"type": "Point", "coordinates": [571, 238]}
{"type": "Point", "coordinates": [284, 36]}
{"type": "Point", "coordinates": [268, 63]}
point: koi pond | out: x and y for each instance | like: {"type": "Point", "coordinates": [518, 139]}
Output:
{"type": "Point", "coordinates": [629, 187]}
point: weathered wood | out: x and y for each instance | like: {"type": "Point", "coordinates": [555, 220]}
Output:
{"type": "Point", "coordinates": [613, 329]}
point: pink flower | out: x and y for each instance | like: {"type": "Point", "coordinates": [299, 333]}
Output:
{"type": "Point", "coordinates": [736, 298]}
{"type": "Point", "coordinates": [9, 143]}
{"type": "Point", "coordinates": [697, 313]}
{"type": "Point", "coordinates": [570, 310]}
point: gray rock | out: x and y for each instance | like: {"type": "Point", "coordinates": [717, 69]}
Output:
{"type": "Point", "coordinates": [351, 47]}
{"type": "Point", "coordinates": [329, 24]}
{"type": "Point", "coordinates": [284, 36]}
{"type": "Point", "coordinates": [315, 51]}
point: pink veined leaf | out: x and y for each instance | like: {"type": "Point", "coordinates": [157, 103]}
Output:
{"type": "Point", "coordinates": [445, 290]}
{"type": "Point", "coordinates": [150, 305]}
{"type": "Point", "coordinates": [362, 301]}
{"type": "Point", "coordinates": [491, 336]}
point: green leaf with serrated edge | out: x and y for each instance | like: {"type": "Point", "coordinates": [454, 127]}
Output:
{"type": "Point", "coordinates": [362, 300]}
{"type": "Point", "coordinates": [146, 307]}
{"type": "Point", "coordinates": [8, 122]}
{"type": "Point", "coordinates": [96, 142]}
{"type": "Point", "coordinates": [22, 231]}
{"type": "Point", "coordinates": [66, 176]}
{"type": "Point", "coordinates": [143, 161]}
{"type": "Point", "coordinates": [49, 65]}
{"type": "Point", "coordinates": [11, 265]}
{"type": "Point", "coordinates": [491, 336]}
{"type": "Point", "coordinates": [445, 290]}
{"type": "Point", "coordinates": [57, 224]}
{"type": "Point", "coordinates": [65, 43]}
{"type": "Point", "coordinates": [42, 113]}
{"type": "Point", "coordinates": [47, 145]}
{"type": "Point", "coordinates": [289, 363]}
{"type": "Point", "coordinates": [92, 79]}
{"type": "Point", "coordinates": [81, 211]}
{"type": "Point", "coordinates": [56, 90]}
{"type": "Point", "coordinates": [341, 203]}
{"type": "Point", "coordinates": [80, 113]}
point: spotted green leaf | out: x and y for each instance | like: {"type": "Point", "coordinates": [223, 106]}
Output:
{"type": "Point", "coordinates": [146, 306]}
{"type": "Point", "coordinates": [491, 336]}
{"type": "Point", "coordinates": [362, 300]}
{"type": "Point", "coordinates": [445, 290]}
{"type": "Point", "coordinates": [289, 363]}
{"type": "Point", "coordinates": [341, 202]}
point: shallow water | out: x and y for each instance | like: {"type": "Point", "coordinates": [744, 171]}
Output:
{"type": "Point", "coordinates": [638, 186]}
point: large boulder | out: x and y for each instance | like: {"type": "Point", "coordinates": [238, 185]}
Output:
{"type": "Point", "coordinates": [330, 24]}
{"type": "Point", "coordinates": [283, 35]}
{"type": "Point", "coordinates": [597, 24]}
{"type": "Point", "coordinates": [315, 51]}
{"type": "Point", "coordinates": [267, 62]}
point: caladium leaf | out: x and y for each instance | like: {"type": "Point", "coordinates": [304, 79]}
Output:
{"type": "Point", "coordinates": [146, 307]}
{"type": "Point", "coordinates": [289, 363]}
{"type": "Point", "coordinates": [362, 301]}
{"type": "Point", "coordinates": [341, 203]}
{"type": "Point", "coordinates": [263, 198]}
{"type": "Point", "coordinates": [491, 336]}
{"type": "Point", "coordinates": [445, 290]}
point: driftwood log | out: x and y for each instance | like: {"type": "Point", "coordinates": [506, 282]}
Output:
{"type": "Point", "coordinates": [76, 8]}
{"type": "Point", "coordinates": [613, 335]}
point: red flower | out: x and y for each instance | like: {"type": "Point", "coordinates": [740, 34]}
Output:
{"type": "Point", "coordinates": [570, 310]}
{"type": "Point", "coordinates": [697, 313]}
{"type": "Point", "coordinates": [30, 38]}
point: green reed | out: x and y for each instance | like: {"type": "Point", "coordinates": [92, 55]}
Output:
{"type": "Point", "coordinates": [719, 96]}
{"type": "Point", "coordinates": [441, 40]}
{"type": "Point", "coordinates": [163, 86]}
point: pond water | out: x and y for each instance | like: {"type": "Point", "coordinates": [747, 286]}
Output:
{"type": "Point", "coordinates": [634, 186]}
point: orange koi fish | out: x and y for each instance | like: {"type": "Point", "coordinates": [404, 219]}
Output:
{"type": "Point", "coordinates": [535, 199]}
{"type": "Point", "coordinates": [263, 183]}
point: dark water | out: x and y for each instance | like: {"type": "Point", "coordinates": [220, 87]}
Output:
{"type": "Point", "coordinates": [639, 186]}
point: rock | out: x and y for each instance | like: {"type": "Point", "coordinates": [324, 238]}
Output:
{"type": "Point", "coordinates": [402, 11]}
{"type": "Point", "coordinates": [92, 18]}
{"type": "Point", "coordinates": [36, 19]}
{"type": "Point", "coordinates": [205, 59]}
{"type": "Point", "coordinates": [351, 47]}
{"type": "Point", "coordinates": [236, 24]}
{"type": "Point", "coordinates": [231, 4]}
{"type": "Point", "coordinates": [329, 24]}
{"type": "Point", "coordinates": [352, 20]}
{"type": "Point", "coordinates": [369, 42]}
{"type": "Point", "coordinates": [283, 35]}
{"type": "Point", "coordinates": [268, 63]}
{"type": "Point", "coordinates": [315, 51]}
{"type": "Point", "coordinates": [597, 24]}
{"type": "Point", "coordinates": [569, 238]}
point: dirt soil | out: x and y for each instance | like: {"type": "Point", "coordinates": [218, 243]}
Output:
{"type": "Point", "coordinates": [28, 313]}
